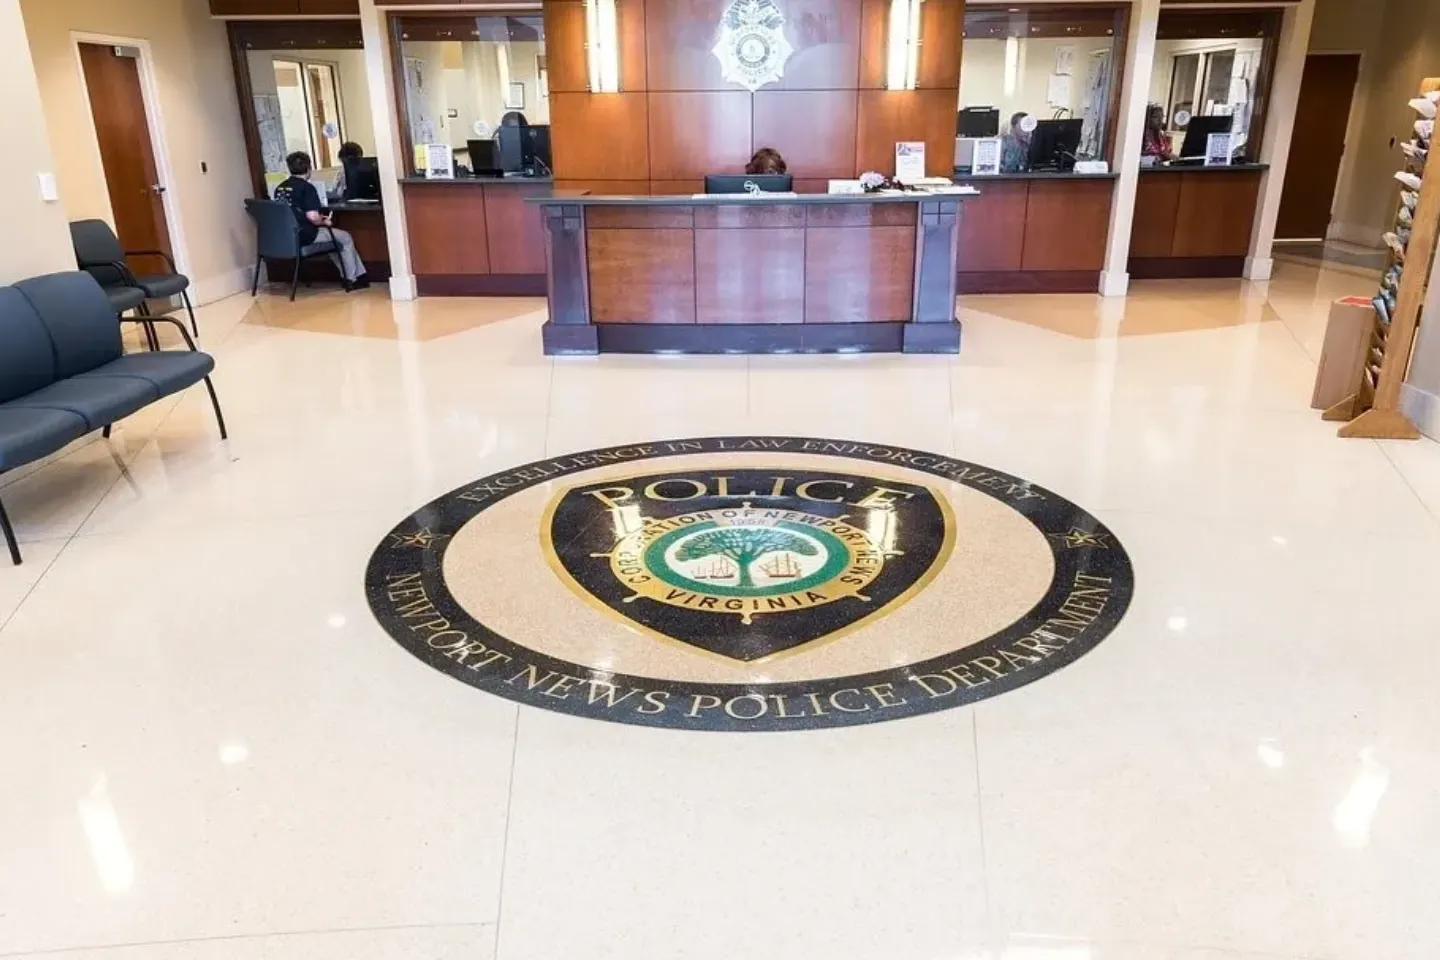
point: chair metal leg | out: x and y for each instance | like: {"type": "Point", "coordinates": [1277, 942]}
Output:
{"type": "Point", "coordinates": [215, 402]}
{"type": "Point", "coordinates": [105, 432]}
{"type": "Point", "coordinates": [255, 286]}
{"type": "Point", "coordinates": [295, 282]}
{"type": "Point", "coordinates": [9, 536]}
{"type": "Point", "coordinates": [190, 309]}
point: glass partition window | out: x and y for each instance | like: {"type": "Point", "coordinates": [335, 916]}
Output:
{"type": "Point", "coordinates": [1209, 64]}
{"type": "Point", "coordinates": [465, 75]}
{"type": "Point", "coordinates": [1042, 63]}
{"type": "Point", "coordinates": [312, 101]}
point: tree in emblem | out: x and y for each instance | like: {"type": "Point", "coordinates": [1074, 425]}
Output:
{"type": "Point", "coordinates": [744, 545]}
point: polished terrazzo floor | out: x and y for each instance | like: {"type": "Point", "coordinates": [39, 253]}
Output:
{"type": "Point", "coordinates": [211, 751]}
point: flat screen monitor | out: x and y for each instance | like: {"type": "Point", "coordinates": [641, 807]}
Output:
{"type": "Point", "coordinates": [1197, 134]}
{"type": "Point", "coordinates": [483, 160]}
{"type": "Point", "coordinates": [524, 150]}
{"type": "Point", "coordinates": [362, 178]}
{"type": "Point", "coordinates": [1053, 144]}
{"type": "Point", "coordinates": [978, 122]}
{"type": "Point", "coordinates": [749, 183]}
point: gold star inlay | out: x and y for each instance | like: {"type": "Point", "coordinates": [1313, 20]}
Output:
{"type": "Point", "coordinates": [1077, 538]}
{"type": "Point", "coordinates": [421, 538]}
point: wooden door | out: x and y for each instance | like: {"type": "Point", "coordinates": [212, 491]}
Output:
{"type": "Point", "coordinates": [127, 153]}
{"type": "Point", "coordinates": [1318, 145]}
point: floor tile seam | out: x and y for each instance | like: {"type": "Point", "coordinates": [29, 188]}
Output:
{"type": "Point", "coordinates": [232, 937]}
{"type": "Point", "coordinates": [980, 820]}
{"type": "Point", "coordinates": [1385, 452]}
{"type": "Point", "coordinates": [505, 838]}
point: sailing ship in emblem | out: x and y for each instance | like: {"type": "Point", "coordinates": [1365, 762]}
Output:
{"type": "Point", "coordinates": [752, 48]}
{"type": "Point", "coordinates": [782, 567]}
{"type": "Point", "coordinates": [719, 568]}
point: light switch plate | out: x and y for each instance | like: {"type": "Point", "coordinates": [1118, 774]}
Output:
{"type": "Point", "coordinates": [49, 191]}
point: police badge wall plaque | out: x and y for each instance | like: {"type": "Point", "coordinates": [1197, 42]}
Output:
{"type": "Point", "coordinates": [749, 583]}
{"type": "Point", "coordinates": [752, 48]}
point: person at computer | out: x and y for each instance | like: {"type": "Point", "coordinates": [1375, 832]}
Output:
{"type": "Point", "coordinates": [1015, 145]}
{"type": "Point", "coordinates": [765, 160]}
{"type": "Point", "coordinates": [349, 150]}
{"type": "Point", "coordinates": [1155, 142]}
{"type": "Point", "coordinates": [313, 216]}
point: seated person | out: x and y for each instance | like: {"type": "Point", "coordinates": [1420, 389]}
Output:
{"type": "Point", "coordinates": [1015, 146]}
{"type": "Point", "coordinates": [349, 150]}
{"type": "Point", "coordinates": [1155, 143]}
{"type": "Point", "coordinates": [312, 216]}
{"type": "Point", "coordinates": [766, 160]}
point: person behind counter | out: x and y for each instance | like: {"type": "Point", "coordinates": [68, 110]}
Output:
{"type": "Point", "coordinates": [312, 215]}
{"type": "Point", "coordinates": [1156, 143]}
{"type": "Point", "coordinates": [766, 160]}
{"type": "Point", "coordinates": [349, 150]}
{"type": "Point", "coordinates": [1015, 145]}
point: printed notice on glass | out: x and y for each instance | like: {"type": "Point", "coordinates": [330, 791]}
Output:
{"type": "Point", "coordinates": [1218, 148]}
{"type": "Point", "coordinates": [910, 161]}
{"type": "Point", "coordinates": [439, 162]}
{"type": "Point", "coordinates": [987, 157]}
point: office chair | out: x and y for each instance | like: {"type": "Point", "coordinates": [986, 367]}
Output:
{"type": "Point", "coordinates": [99, 253]}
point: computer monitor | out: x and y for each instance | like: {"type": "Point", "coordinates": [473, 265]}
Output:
{"type": "Point", "coordinates": [1197, 134]}
{"type": "Point", "coordinates": [362, 178]}
{"type": "Point", "coordinates": [483, 161]}
{"type": "Point", "coordinates": [749, 183]}
{"type": "Point", "coordinates": [1053, 144]}
{"type": "Point", "coordinates": [524, 150]}
{"type": "Point", "coordinates": [978, 122]}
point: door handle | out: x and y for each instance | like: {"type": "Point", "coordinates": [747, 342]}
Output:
{"type": "Point", "coordinates": [157, 188]}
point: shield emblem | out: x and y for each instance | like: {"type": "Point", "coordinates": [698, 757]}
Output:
{"type": "Point", "coordinates": [751, 47]}
{"type": "Point", "coordinates": [747, 564]}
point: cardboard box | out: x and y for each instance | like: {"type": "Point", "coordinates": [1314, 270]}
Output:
{"type": "Point", "coordinates": [1342, 359]}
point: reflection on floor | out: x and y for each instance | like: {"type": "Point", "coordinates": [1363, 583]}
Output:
{"type": "Point", "coordinates": [212, 751]}
{"type": "Point", "coordinates": [1333, 254]}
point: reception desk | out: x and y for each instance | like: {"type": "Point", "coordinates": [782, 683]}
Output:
{"type": "Point", "coordinates": [1035, 233]}
{"type": "Point", "coordinates": [1194, 221]}
{"type": "Point", "coordinates": [770, 274]}
{"type": "Point", "coordinates": [476, 236]}
{"type": "Point", "coordinates": [365, 222]}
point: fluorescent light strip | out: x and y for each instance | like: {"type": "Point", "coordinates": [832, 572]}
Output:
{"type": "Point", "coordinates": [903, 54]}
{"type": "Point", "coordinates": [602, 46]}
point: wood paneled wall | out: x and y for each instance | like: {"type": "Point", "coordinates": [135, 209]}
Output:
{"type": "Point", "coordinates": [675, 119]}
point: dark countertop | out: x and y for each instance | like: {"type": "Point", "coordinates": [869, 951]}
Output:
{"type": "Point", "coordinates": [349, 206]}
{"type": "Point", "coordinates": [468, 181]}
{"type": "Point", "coordinates": [737, 199]}
{"type": "Point", "coordinates": [1232, 168]}
{"type": "Point", "coordinates": [1038, 175]}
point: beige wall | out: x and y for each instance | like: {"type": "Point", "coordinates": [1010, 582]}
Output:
{"type": "Point", "coordinates": [36, 239]}
{"type": "Point", "coordinates": [1398, 50]}
{"type": "Point", "coordinates": [196, 90]}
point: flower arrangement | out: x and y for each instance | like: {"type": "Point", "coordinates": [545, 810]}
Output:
{"type": "Point", "coordinates": [872, 182]}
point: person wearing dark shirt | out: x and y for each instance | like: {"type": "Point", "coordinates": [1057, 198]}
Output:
{"type": "Point", "coordinates": [349, 150]}
{"type": "Point", "coordinates": [313, 218]}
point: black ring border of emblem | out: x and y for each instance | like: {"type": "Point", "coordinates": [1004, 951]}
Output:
{"type": "Point", "coordinates": [447, 514]}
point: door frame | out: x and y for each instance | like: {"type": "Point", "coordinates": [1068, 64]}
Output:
{"type": "Point", "coordinates": [154, 120]}
{"type": "Point", "coordinates": [1352, 132]}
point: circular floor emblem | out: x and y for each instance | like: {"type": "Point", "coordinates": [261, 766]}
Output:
{"type": "Point", "coordinates": [749, 583]}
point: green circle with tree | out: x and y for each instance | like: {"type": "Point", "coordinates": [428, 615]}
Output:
{"type": "Point", "coordinates": [735, 549]}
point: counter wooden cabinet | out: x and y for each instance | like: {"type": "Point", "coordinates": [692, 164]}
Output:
{"type": "Point", "coordinates": [1194, 221]}
{"type": "Point", "coordinates": [771, 274]}
{"type": "Point", "coordinates": [476, 237]}
{"type": "Point", "coordinates": [1034, 233]}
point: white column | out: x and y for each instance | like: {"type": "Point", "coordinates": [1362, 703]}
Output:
{"type": "Point", "coordinates": [1134, 98]}
{"type": "Point", "coordinates": [1279, 125]}
{"type": "Point", "coordinates": [390, 140]}
{"type": "Point", "coordinates": [36, 239]}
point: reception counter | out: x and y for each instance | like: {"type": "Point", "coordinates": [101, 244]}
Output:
{"type": "Point", "coordinates": [1194, 221]}
{"type": "Point", "coordinates": [476, 236]}
{"type": "Point", "coordinates": [1035, 233]}
{"type": "Point", "coordinates": [769, 274]}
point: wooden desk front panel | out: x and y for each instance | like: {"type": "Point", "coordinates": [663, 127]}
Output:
{"type": "Point", "coordinates": [1067, 223]}
{"type": "Point", "coordinates": [1157, 206]}
{"type": "Point", "coordinates": [368, 229]}
{"type": "Point", "coordinates": [513, 231]}
{"type": "Point", "coordinates": [1216, 214]}
{"type": "Point", "coordinates": [992, 227]}
{"type": "Point", "coordinates": [841, 263]}
{"type": "Point", "coordinates": [475, 229]}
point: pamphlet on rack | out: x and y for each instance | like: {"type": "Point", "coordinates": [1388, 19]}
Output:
{"type": "Point", "coordinates": [910, 161]}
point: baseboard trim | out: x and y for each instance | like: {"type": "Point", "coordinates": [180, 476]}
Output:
{"type": "Point", "coordinates": [1027, 281]}
{"type": "Point", "coordinates": [1423, 409]}
{"type": "Point", "coordinates": [1114, 283]}
{"type": "Point", "coordinates": [1259, 268]}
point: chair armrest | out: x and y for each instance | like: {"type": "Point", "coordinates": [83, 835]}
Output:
{"type": "Point", "coordinates": [178, 325]}
{"type": "Point", "coordinates": [154, 253]}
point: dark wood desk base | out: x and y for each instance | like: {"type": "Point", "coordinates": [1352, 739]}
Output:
{"type": "Point", "coordinates": [632, 275]}
{"type": "Point", "coordinates": [1194, 222]}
